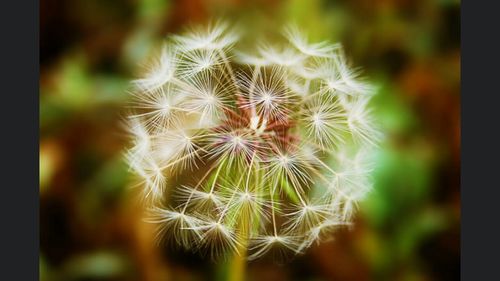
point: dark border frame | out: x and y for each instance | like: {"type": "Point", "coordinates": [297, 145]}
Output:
{"type": "Point", "coordinates": [19, 122]}
{"type": "Point", "coordinates": [480, 193]}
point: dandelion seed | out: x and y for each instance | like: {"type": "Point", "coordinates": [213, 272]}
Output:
{"type": "Point", "coordinates": [159, 73]}
{"type": "Point", "coordinates": [216, 37]}
{"type": "Point", "coordinates": [141, 139]}
{"type": "Point", "coordinates": [159, 109]}
{"type": "Point", "coordinates": [325, 122]}
{"type": "Point", "coordinates": [217, 239]}
{"type": "Point", "coordinates": [307, 217]}
{"type": "Point", "coordinates": [321, 232]}
{"type": "Point", "coordinates": [361, 123]}
{"type": "Point", "coordinates": [179, 147]}
{"type": "Point", "coordinates": [198, 200]}
{"type": "Point", "coordinates": [206, 97]}
{"type": "Point", "coordinates": [267, 95]}
{"type": "Point", "coordinates": [299, 41]}
{"type": "Point", "coordinates": [151, 174]}
{"type": "Point", "coordinates": [278, 244]}
{"type": "Point", "coordinates": [194, 62]}
{"type": "Point", "coordinates": [183, 226]}
{"type": "Point", "coordinates": [248, 59]}
{"type": "Point", "coordinates": [282, 57]}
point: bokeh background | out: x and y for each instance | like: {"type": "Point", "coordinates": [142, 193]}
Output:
{"type": "Point", "coordinates": [91, 226]}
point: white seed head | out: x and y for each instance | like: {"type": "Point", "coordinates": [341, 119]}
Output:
{"type": "Point", "coordinates": [260, 153]}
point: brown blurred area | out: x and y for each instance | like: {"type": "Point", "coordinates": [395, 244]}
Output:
{"type": "Point", "coordinates": [91, 225]}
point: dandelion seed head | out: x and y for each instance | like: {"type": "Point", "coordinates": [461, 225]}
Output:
{"type": "Point", "coordinates": [262, 153]}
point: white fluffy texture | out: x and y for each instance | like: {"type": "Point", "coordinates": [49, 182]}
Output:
{"type": "Point", "coordinates": [258, 153]}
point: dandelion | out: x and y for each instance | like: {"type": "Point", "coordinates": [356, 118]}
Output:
{"type": "Point", "coordinates": [251, 154]}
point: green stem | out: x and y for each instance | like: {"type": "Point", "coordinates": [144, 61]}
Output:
{"type": "Point", "coordinates": [237, 265]}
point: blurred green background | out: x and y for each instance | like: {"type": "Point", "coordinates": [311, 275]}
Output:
{"type": "Point", "coordinates": [91, 226]}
